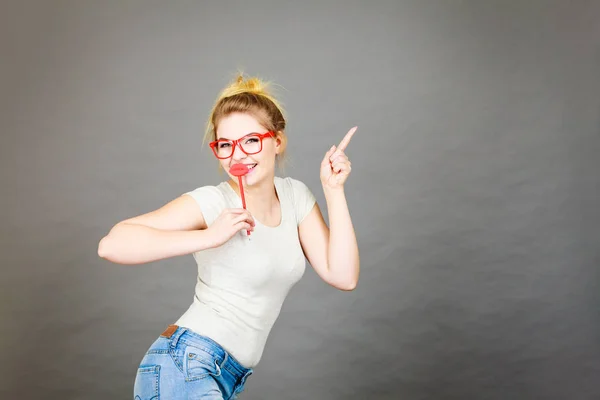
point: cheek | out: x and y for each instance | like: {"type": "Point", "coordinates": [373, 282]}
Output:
{"type": "Point", "coordinates": [272, 151]}
{"type": "Point", "coordinates": [265, 154]}
{"type": "Point", "coordinates": [224, 164]}
{"type": "Point", "coordinates": [268, 156]}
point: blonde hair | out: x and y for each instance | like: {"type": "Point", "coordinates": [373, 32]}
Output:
{"type": "Point", "coordinates": [252, 96]}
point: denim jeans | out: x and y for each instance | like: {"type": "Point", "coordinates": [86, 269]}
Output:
{"type": "Point", "coordinates": [182, 364]}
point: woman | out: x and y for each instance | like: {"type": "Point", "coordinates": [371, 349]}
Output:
{"type": "Point", "coordinates": [248, 259]}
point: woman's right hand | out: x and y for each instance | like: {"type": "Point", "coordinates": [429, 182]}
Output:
{"type": "Point", "coordinates": [228, 223]}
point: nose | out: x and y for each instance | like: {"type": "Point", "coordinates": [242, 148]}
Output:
{"type": "Point", "coordinates": [238, 153]}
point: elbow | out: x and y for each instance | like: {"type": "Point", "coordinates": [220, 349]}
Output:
{"type": "Point", "coordinates": [102, 248]}
{"type": "Point", "coordinates": [348, 287]}
{"type": "Point", "coordinates": [346, 283]}
{"type": "Point", "coordinates": [105, 248]}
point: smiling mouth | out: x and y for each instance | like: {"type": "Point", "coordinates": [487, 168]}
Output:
{"type": "Point", "coordinates": [251, 166]}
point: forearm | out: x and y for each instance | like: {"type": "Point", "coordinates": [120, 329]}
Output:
{"type": "Point", "coordinates": [138, 244]}
{"type": "Point", "coordinates": [343, 257]}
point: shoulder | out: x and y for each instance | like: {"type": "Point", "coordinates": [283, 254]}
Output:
{"type": "Point", "coordinates": [210, 194]}
{"type": "Point", "coordinates": [294, 188]}
{"type": "Point", "coordinates": [210, 198]}
{"type": "Point", "coordinates": [299, 195]}
{"type": "Point", "coordinates": [292, 185]}
{"type": "Point", "coordinates": [209, 191]}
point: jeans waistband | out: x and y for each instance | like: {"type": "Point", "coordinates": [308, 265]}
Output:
{"type": "Point", "coordinates": [177, 333]}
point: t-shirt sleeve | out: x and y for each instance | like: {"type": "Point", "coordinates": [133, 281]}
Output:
{"type": "Point", "coordinates": [304, 200]}
{"type": "Point", "coordinates": [210, 200]}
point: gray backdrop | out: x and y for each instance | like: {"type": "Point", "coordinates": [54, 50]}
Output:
{"type": "Point", "coordinates": [474, 189]}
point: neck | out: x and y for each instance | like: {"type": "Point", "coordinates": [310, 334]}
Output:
{"type": "Point", "coordinates": [260, 196]}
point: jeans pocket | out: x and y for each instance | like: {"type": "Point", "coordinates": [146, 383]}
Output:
{"type": "Point", "coordinates": [146, 385]}
{"type": "Point", "coordinates": [200, 364]}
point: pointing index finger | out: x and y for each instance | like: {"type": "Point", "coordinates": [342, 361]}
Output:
{"type": "Point", "coordinates": [344, 143]}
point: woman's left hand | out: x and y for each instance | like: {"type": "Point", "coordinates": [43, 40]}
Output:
{"type": "Point", "coordinates": [335, 166]}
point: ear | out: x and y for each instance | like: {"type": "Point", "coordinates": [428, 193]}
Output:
{"type": "Point", "coordinates": [280, 142]}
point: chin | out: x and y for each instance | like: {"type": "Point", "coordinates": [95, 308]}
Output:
{"type": "Point", "coordinates": [256, 176]}
{"type": "Point", "coordinates": [252, 177]}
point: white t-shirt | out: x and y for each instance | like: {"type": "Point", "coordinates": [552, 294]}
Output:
{"type": "Point", "coordinates": [242, 284]}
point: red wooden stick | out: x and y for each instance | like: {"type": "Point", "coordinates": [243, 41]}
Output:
{"type": "Point", "coordinates": [240, 170]}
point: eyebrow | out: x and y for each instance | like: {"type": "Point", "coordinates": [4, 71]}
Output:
{"type": "Point", "coordinates": [249, 133]}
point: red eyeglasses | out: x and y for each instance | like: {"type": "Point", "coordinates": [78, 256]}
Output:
{"type": "Point", "coordinates": [249, 144]}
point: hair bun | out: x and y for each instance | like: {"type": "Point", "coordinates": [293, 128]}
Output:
{"type": "Point", "coordinates": [251, 85]}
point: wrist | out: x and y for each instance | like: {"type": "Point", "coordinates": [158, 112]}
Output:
{"type": "Point", "coordinates": [333, 191]}
{"type": "Point", "coordinates": [206, 239]}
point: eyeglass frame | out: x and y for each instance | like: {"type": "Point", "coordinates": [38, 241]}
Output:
{"type": "Point", "coordinates": [237, 142]}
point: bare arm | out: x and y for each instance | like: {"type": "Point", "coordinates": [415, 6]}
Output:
{"type": "Point", "coordinates": [138, 244]}
{"type": "Point", "coordinates": [332, 252]}
{"type": "Point", "coordinates": [177, 228]}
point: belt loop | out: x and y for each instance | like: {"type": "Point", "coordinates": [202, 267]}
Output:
{"type": "Point", "coordinates": [175, 337]}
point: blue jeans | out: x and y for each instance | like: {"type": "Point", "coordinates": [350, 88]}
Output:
{"type": "Point", "coordinates": [182, 364]}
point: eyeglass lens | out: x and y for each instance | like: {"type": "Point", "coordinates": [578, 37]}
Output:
{"type": "Point", "coordinates": [250, 145]}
